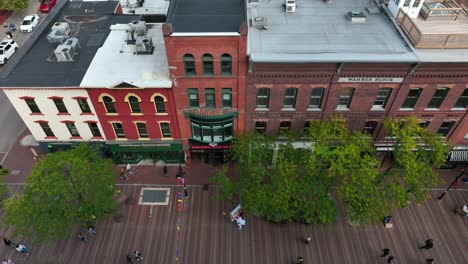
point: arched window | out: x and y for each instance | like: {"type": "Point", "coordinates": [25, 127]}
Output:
{"type": "Point", "coordinates": [207, 61]}
{"type": "Point", "coordinates": [160, 104]}
{"type": "Point", "coordinates": [226, 64]}
{"type": "Point", "coordinates": [109, 104]}
{"type": "Point", "coordinates": [189, 65]}
{"type": "Point", "coordinates": [134, 104]}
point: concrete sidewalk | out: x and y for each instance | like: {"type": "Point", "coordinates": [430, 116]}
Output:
{"type": "Point", "coordinates": [17, 17]}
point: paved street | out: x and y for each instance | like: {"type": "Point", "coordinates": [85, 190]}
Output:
{"type": "Point", "coordinates": [208, 237]}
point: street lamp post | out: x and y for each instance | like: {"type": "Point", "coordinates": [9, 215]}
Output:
{"type": "Point", "coordinates": [450, 186]}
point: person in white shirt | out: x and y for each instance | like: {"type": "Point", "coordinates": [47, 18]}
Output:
{"type": "Point", "coordinates": [465, 210]}
{"type": "Point", "coordinates": [240, 222]}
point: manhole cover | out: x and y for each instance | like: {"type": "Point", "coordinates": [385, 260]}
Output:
{"type": "Point", "coordinates": [154, 196]}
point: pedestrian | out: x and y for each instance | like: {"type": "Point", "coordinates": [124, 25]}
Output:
{"type": "Point", "coordinates": [430, 261]}
{"type": "Point", "coordinates": [8, 242]}
{"type": "Point", "coordinates": [300, 260]}
{"type": "Point", "coordinates": [240, 222]}
{"type": "Point", "coordinates": [428, 244]}
{"type": "Point", "coordinates": [138, 256]}
{"type": "Point", "coordinates": [129, 259]}
{"type": "Point", "coordinates": [308, 239]}
{"type": "Point", "coordinates": [91, 229]}
{"type": "Point", "coordinates": [22, 249]}
{"type": "Point", "coordinates": [390, 260]}
{"type": "Point", "coordinates": [386, 252]}
{"type": "Point", "coordinates": [82, 237]}
{"type": "Point", "coordinates": [9, 35]}
{"type": "Point", "coordinates": [165, 170]}
{"type": "Point", "coordinates": [123, 174]}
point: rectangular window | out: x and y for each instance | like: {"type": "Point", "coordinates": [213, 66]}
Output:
{"type": "Point", "coordinates": [289, 100]}
{"type": "Point", "coordinates": [141, 127]}
{"type": "Point", "coordinates": [285, 126]}
{"type": "Point", "coordinates": [411, 98]}
{"type": "Point", "coordinates": [226, 94]}
{"type": "Point", "coordinates": [46, 128]}
{"type": "Point", "coordinates": [94, 129]}
{"type": "Point", "coordinates": [193, 97]}
{"type": "Point", "coordinates": [416, 3]}
{"type": "Point", "coordinates": [263, 97]}
{"type": "Point", "coordinates": [369, 127]}
{"type": "Point", "coordinates": [60, 106]}
{"type": "Point", "coordinates": [344, 100]}
{"type": "Point", "coordinates": [118, 129]}
{"type": "Point", "coordinates": [260, 127]}
{"type": "Point", "coordinates": [210, 101]}
{"type": "Point", "coordinates": [32, 105]}
{"type": "Point", "coordinates": [438, 97]}
{"type": "Point", "coordinates": [316, 98]}
{"type": "Point", "coordinates": [463, 100]}
{"type": "Point", "coordinates": [84, 106]}
{"type": "Point", "coordinates": [382, 97]}
{"type": "Point", "coordinates": [407, 3]}
{"type": "Point", "coordinates": [72, 128]}
{"type": "Point", "coordinates": [445, 128]}
{"type": "Point", "coordinates": [165, 130]}
{"type": "Point", "coordinates": [424, 124]}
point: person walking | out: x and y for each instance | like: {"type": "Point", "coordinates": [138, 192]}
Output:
{"type": "Point", "coordinates": [138, 256]}
{"type": "Point", "coordinates": [22, 249]}
{"type": "Point", "coordinates": [8, 242]}
{"type": "Point", "coordinates": [129, 259]}
{"type": "Point", "coordinates": [390, 260]}
{"type": "Point", "coordinates": [428, 244]}
{"type": "Point", "coordinates": [300, 260]}
{"type": "Point", "coordinates": [165, 170]}
{"type": "Point", "coordinates": [386, 252]}
{"type": "Point", "coordinates": [308, 239]}
{"type": "Point", "coordinates": [430, 261]}
{"type": "Point", "coordinates": [91, 230]}
{"type": "Point", "coordinates": [82, 237]}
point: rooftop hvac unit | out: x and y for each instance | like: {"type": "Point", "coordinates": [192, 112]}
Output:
{"type": "Point", "coordinates": [290, 6]}
{"type": "Point", "coordinates": [59, 33]}
{"type": "Point", "coordinates": [67, 50]}
{"type": "Point", "coordinates": [139, 27]}
{"type": "Point", "coordinates": [144, 45]}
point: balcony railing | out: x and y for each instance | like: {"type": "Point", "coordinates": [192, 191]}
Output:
{"type": "Point", "coordinates": [430, 40]}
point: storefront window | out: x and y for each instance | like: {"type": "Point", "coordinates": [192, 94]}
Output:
{"type": "Point", "coordinates": [212, 131]}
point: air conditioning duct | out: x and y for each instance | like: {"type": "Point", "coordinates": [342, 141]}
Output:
{"type": "Point", "coordinates": [67, 51]}
{"type": "Point", "coordinates": [144, 45]}
{"type": "Point", "coordinates": [290, 6]}
{"type": "Point", "coordinates": [59, 33]}
{"type": "Point", "coordinates": [139, 27]}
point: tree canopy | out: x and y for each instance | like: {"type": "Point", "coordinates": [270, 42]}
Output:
{"type": "Point", "coordinates": [65, 188]}
{"type": "Point", "coordinates": [292, 179]}
{"type": "Point", "coordinates": [14, 5]}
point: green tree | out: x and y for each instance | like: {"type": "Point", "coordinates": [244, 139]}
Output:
{"type": "Point", "coordinates": [14, 5]}
{"type": "Point", "coordinates": [65, 189]}
{"type": "Point", "coordinates": [418, 152]}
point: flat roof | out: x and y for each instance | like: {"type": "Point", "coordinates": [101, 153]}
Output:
{"type": "Point", "coordinates": [116, 62]}
{"type": "Point", "coordinates": [206, 15]}
{"type": "Point", "coordinates": [322, 32]}
{"type": "Point", "coordinates": [37, 66]}
{"type": "Point", "coordinates": [153, 7]}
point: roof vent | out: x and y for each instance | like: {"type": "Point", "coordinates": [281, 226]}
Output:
{"type": "Point", "coordinates": [357, 17]}
{"type": "Point", "coordinates": [144, 45]}
{"type": "Point", "coordinates": [290, 6]}
{"type": "Point", "coordinates": [139, 27]}
{"type": "Point", "coordinates": [260, 23]}
{"type": "Point", "coordinates": [66, 51]}
{"type": "Point", "coordinates": [59, 33]}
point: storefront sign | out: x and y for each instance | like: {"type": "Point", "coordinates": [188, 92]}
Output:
{"type": "Point", "coordinates": [208, 148]}
{"type": "Point", "coordinates": [370, 80]}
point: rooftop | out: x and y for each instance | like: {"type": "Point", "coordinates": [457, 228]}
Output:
{"type": "Point", "coordinates": [139, 70]}
{"type": "Point", "coordinates": [321, 32]}
{"type": "Point", "coordinates": [37, 65]}
{"type": "Point", "coordinates": [158, 7]}
{"type": "Point", "coordinates": [206, 16]}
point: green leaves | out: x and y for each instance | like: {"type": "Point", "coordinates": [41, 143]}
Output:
{"type": "Point", "coordinates": [64, 189]}
{"type": "Point", "coordinates": [14, 5]}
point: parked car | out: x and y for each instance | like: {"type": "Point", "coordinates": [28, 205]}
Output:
{"type": "Point", "coordinates": [47, 5]}
{"type": "Point", "coordinates": [29, 23]}
{"type": "Point", "coordinates": [8, 48]}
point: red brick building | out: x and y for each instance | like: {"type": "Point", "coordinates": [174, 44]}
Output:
{"type": "Point", "coordinates": [363, 72]}
{"type": "Point", "coordinates": [208, 64]}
